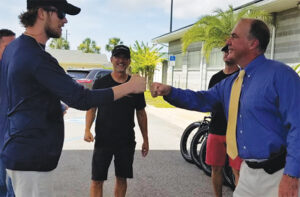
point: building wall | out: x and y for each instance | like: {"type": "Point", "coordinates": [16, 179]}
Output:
{"type": "Point", "coordinates": [287, 39]}
{"type": "Point", "coordinates": [191, 70]}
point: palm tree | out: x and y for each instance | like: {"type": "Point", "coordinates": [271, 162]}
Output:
{"type": "Point", "coordinates": [214, 30]}
{"type": "Point", "coordinates": [89, 46]}
{"type": "Point", "coordinates": [59, 43]}
{"type": "Point", "coordinates": [144, 60]}
{"type": "Point", "coordinates": [112, 42]}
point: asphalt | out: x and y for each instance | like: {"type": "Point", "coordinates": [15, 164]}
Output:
{"type": "Point", "coordinates": [163, 173]}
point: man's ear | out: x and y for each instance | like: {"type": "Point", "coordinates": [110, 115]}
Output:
{"type": "Point", "coordinates": [41, 14]}
{"type": "Point", "coordinates": [254, 44]}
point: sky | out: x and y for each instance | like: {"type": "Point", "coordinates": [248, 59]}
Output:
{"type": "Point", "coordinates": [129, 20]}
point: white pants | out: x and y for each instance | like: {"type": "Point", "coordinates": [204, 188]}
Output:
{"type": "Point", "coordinates": [257, 183]}
{"type": "Point", "coordinates": [32, 183]}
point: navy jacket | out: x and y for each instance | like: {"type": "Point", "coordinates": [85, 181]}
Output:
{"type": "Point", "coordinates": [35, 84]}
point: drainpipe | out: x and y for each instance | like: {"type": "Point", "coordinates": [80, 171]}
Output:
{"type": "Point", "coordinates": [274, 16]}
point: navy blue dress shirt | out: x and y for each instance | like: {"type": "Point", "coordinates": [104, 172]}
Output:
{"type": "Point", "coordinates": [268, 116]}
{"type": "Point", "coordinates": [32, 84]}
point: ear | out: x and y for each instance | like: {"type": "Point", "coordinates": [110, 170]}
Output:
{"type": "Point", "coordinates": [254, 44]}
{"type": "Point", "coordinates": [41, 14]}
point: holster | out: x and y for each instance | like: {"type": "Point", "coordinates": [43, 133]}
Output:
{"type": "Point", "coordinates": [273, 164]}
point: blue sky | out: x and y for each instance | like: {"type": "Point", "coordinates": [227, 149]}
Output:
{"type": "Point", "coordinates": [129, 20]}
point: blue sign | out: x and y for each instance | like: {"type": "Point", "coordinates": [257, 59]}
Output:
{"type": "Point", "coordinates": [172, 58]}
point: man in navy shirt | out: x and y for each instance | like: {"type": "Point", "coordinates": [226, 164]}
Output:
{"type": "Point", "coordinates": [268, 125]}
{"type": "Point", "coordinates": [6, 36]}
{"type": "Point", "coordinates": [35, 85]}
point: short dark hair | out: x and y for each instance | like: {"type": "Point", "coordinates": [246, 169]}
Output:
{"type": "Point", "coordinates": [29, 17]}
{"type": "Point", "coordinates": [261, 32]}
{"type": "Point", "coordinates": [6, 32]}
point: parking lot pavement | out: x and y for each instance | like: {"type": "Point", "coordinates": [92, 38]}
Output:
{"type": "Point", "coordinates": [163, 173]}
{"type": "Point", "coordinates": [178, 118]}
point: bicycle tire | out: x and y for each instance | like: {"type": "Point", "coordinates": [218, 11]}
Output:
{"type": "Point", "coordinates": [196, 144]}
{"type": "Point", "coordinates": [184, 141]}
{"type": "Point", "coordinates": [229, 179]}
{"type": "Point", "coordinates": [202, 154]}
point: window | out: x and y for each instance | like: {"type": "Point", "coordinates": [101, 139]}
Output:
{"type": "Point", "coordinates": [193, 60]}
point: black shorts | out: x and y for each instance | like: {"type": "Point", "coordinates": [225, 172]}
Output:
{"type": "Point", "coordinates": [123, 160]}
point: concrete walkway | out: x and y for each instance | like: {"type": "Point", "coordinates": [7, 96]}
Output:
{"type": "Point", "coordinates": [177, 116]}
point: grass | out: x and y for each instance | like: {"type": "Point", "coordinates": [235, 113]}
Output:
{"type": "Point", "coordinates": [156, 102]}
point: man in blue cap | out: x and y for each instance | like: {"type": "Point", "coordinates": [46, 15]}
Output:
{"type": "Point", "coordinates": [36, 84]}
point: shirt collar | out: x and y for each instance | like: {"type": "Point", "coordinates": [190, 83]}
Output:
{"type": "Point", "coordinates": [251, 67]}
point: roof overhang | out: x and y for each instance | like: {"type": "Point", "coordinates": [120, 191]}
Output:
{"type": "Point", "coordinates": [174, 35]}
{"type": "Point", "coordinates": [270, 6]}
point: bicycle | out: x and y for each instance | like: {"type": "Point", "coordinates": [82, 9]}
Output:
{"type": "Point", "coordinates": [198, 142]}
{"type": "Point", "coordinates": [185, 142]}
{"type": "Point", "coordinates": [197, 152]}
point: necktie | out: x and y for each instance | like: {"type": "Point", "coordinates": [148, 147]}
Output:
{"type": "Point", "coordinates": [232, 115]}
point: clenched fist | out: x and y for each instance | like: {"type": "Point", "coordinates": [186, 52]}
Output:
{"type": "Point", "coordinates": [137, 84]}
{"type": "Point", "coordinates": [159, 89]}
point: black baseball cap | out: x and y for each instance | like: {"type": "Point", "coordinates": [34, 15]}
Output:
{"type": "Point", "coordinates": [225, 48]}
{"type": "Point", "coordinates": [62, 5]}
{"type": "Point", "coordinates": [121, 49]}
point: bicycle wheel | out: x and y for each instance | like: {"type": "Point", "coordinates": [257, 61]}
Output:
{"type": "Point", "coordinates": [197, 143]}
{"type": "Point", "coordinates": [185, 140]}
{"type": "Point", "coordinates": [202, 154]}
{"type": "Point", "coordinates": [229, 179]}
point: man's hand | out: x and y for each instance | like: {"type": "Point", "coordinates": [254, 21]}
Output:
{"type": "Point", "coordinates": [145, 148]}
{"type": "Point", "coordinates": [88, 136]}
{"type": "Point", "coordinates": [159, 89]}
{"type": "Point", "coordinates": [288, 186]}
{"type": "Point", "coordinates": [137, 84]}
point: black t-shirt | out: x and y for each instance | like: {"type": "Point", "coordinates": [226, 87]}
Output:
{"type": "Point", "coordinates": [218, 124]}
{"type": "Point", "coordinates": [115, 122]}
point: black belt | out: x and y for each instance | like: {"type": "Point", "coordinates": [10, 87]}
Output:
{"type": "Point", "coordinates": [273, 164]}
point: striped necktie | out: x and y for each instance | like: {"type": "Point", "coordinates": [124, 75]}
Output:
{"type": "Point", "coordinates": [232, 150]}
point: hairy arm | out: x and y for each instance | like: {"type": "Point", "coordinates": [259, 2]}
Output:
{"type": "Point", "coordinates": [143, 124]}
{"type": "Point", "coordinates": [89, 119]}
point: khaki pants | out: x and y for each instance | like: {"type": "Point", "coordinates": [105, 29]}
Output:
{"type": "Point", "coordinates": [32, 183]}
{"type": "Point", "coordinates": [257, 183]}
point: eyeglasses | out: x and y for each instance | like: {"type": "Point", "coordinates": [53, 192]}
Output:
{"type": "Point", "coordinates": [60, 14]}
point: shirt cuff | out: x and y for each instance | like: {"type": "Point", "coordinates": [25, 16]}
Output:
{"type": "Point", "coordinates": [292, 167]}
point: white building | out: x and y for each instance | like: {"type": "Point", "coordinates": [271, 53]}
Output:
{"type": "Point", "coordinates": [192, 72]}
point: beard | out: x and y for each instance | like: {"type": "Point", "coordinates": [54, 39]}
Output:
{"type": "Point", "coordinates": [230, 63]}
{"type": "Point", "coordinates": [50, 32]}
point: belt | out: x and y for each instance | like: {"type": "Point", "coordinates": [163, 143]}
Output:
{"type": "Point", "coordinates": [273, 164]}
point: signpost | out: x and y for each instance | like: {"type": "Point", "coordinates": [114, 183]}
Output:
{"type": "Point", "coordinates": [172, 60]}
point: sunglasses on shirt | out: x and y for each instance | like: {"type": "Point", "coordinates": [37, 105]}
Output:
{"type": "Point", "coordinates": [60, 14]}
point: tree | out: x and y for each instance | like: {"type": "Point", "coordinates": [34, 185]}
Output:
{"type": "Point", "coordinates": [59, 43]}
{"type": "Point", "coordinates": [144, 60]}
{"type": "Point", "coordinates": [89, 46]}
{"type": "Point", "coordinates": [112, 42]}
{"type": "Point", "coordinates": [214, 30]}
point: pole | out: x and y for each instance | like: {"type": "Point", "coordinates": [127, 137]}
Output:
{"type": "Point", "coordinates": [171, 17]}
{"type": "Point", "coordinates": [66, 35]}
